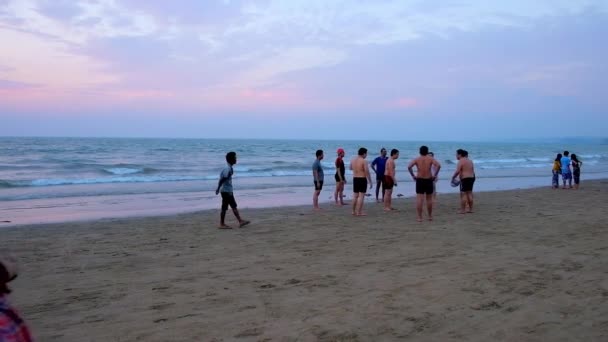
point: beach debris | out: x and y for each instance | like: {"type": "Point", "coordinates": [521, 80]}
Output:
{"type": "Point", "coordinates": [267, 286]}
{"type": "Point", "coordinates": [486, 306]}
{"type": "Point", "coordinates": [293, 281]}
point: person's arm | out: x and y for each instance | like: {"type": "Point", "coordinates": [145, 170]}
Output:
{"type": "Point", "coordinates": [315, 173]}
{"type": "Point", "coordinates": [437, 168]}
{"type": "Point", "coordinates": [220, 182]}
{"type": "Point", "coordinates": [374, 165]}
{"type": "Point", "coordinates": [410, 168]}
{"type": "Point", "coordinates": [457, 171]}
{"type": "Point", "coordinates": [369, 177]}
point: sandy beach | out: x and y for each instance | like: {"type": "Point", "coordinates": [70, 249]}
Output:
{"type": "Point", "coordinates": [528, 265]}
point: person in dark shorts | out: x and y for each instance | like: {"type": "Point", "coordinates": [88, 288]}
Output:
{"type": "Point", "coordinates": [424, 180]}
{"type": "Point", "coordinates": [390, 180]}
{"type": "Point", "coordinates": [379, 166]}
{"type": "Point", "coordinates": [318, 178]}
{"type": "Point", "coordinates": [340, 177]}
{"type": "Point", "coordinates": [361, 177]}
{"type": "Point", "coordinates": [576, 170]}
{"type": "Point", "coordinates": [466, 171]}
{"type": "Point", "coordinates": [224, 186]}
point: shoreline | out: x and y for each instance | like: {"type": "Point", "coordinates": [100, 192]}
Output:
{"type": "Point", "coordinates": [100, 208]}
{"type": "Point", "coordinates": [527, 265]}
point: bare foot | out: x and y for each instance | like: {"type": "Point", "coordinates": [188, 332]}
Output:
{"type": "Point", "coordinates": [223, 226]}
{"type": "Point", "coordinates": [430, 219]}
{"type": "Point", "coordinates": [244, 223]}
{"type": "Point", "coordinates": [462, 212]}
{"type": "Point", "coordinates": [387, 209]}
{"type": "Point", "coordinates": [469, 211]}
{"type": "Point", "coordinates": [419, 219]}
{"type": "Point", "coordinates": [362, 214]}
{"type": "Point", "coordinates": [317, 208]}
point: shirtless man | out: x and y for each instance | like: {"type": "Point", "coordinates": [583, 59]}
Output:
{"type": "Point", "coordinates": [361, 178]}
{"type": "Point", "coordinates": [424, 181]}
{"type": "Point", "coordinates": [390, 180]}
{"type": "Point", "coordinates": [466, 170]}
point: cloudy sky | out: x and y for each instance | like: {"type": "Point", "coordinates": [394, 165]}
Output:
{"type": "Point", "coordinates": [368, 69]}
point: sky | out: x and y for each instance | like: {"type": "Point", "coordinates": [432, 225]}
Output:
{"type": "Point", "coordinates": [306, 69]}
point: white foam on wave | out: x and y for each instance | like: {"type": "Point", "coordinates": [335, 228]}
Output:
{"type": "Point", "coordinates": [123, 171]}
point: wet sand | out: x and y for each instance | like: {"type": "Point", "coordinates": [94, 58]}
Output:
{"type": "Point", "coordinates": [528, 265]}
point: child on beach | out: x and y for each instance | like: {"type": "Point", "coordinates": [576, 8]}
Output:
{"type": "Point", "coordinates": [576, 170]}
{"type": "Point", "coordinates": [224, 187]}
{"type": "Point", "coordinates": [340, 178]}
{"type": "Point", "coordinates": [12, 326]}
{"type": "Point", "coordinates": [557, 169]}
{"type": "Point", "coordinates": [318, 177]}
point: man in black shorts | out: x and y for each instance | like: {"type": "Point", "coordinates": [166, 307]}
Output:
{"type": "Point", "coordinates": [466, 171]}
{"type": "Point", "coordinates": [424, 181]}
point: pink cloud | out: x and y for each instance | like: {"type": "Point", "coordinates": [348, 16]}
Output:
{"type": "Point", "coordinates": [405, 102]}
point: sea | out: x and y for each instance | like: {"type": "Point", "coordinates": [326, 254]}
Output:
{"type": "Point", "coordinates": [49, 180]}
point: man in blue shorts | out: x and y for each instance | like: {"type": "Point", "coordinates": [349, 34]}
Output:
{"type": "Point", "coordinates": [566, 173]}
{"type": "Point", "coordinates": [379, 166]}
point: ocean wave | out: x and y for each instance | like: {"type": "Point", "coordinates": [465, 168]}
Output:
{"type": "Point", "coordinates": [500, 161]}
{"type": "Point", "coordinates": [120, 171]}
{"type": "Point", "coordinates": [6, 184]}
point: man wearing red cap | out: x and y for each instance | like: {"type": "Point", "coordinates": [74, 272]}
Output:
{"type": "Point", "coordinates": [340, 178]}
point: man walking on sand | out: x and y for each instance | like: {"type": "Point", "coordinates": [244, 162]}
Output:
{"type": "Point", "coordinates": [466, 170]}
{"type": "Point", "coordinates": [424, 181]}
{"type": "Point", "coordinates": [361, 178]}
{"type": "Point", "coordinates": [390, 180]}
{"type": "Point", "coordinates": [378, 165]}
{"type": "Point", "coordinates": [318, 177]}
{"type": "Point", "coordinates": [225, 187]}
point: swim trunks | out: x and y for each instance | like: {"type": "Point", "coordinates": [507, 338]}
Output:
{"type": "Point", "coordinates": [389, 183]}
{"type": "Point", "coordinates": [567, 175]}
{"type": "Point", "coordinates": [319, 185]}
{"type": "Point", "coordinates": [359, 185]}
{"type": "Point", "coordinates": [228, 200]}
{"type": "Point", "coordinates": [466, 184]}
{"type": "Point", "coordinates": [424, 186]}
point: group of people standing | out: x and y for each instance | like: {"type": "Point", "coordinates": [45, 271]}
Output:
{"type": "Point", "coordinates": [425, 177]}
{"type": "Point", "coordinates": [569, 167]}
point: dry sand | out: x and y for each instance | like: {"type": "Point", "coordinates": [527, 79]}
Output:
{"type": "Point", "coordinates": [529, 265]}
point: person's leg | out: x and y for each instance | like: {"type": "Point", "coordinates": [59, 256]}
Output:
{"type": "Point", "coordinates": [388, 193]}
{"type": "Point", "coordinates": [463, 202]}
{"type": "Point", "coordinates": [315, 196]}
{"type": "Point", "coordinates": [429, 206]}
{"type": "Point", "coordinates": [341, 193]}
{"type": "Point", "coordinates": [470, 201]}
{"type": "Point", "coordinates": [570, 181]}
{"type": "Point", "coordinates": [225, 203]}
{"type": "Point", "coordinates": [360, 204]}
{"type": "Point", "coordinates": [564, 180]}
{"type": "Point", "coordinates": [355, 200]}
{"type": "Point", "coordinates": [419, 200]}
{"type": "Point", "coordinates": [383, 184]}
{"type": "Point", "coordinates": [378, 183]}
{"type": "Point", "coordinates": [336, 192]}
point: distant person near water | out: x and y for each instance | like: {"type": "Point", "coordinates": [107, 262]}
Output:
{"type": "Point", "coordinates": [557, 170]}
{"type": "Point", "coordinates": [433, 169]}
{"type": "Point", "coordinates": [566, 173]}
{"type": "Point", "coordinates": [340, 177]}
{"type": "Point", "coordinates": [466, 171]}
{"type": "Point", "coordinates": [390, 180]}
{"type": "Point", "coordinates": [318, 178]}
{"type": "Point", "coordinates": [12, 326]}
{"type": "Point", "coordinates": [379, 165]}
{"type": "Point", "coordinates": [361, 178]}
{"type": "Point", "coordinates": [576, 170]}
{"type": "Point", "coordinates": [424, 181]}
{"type": "Point", "coordinates": [224, 186]}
